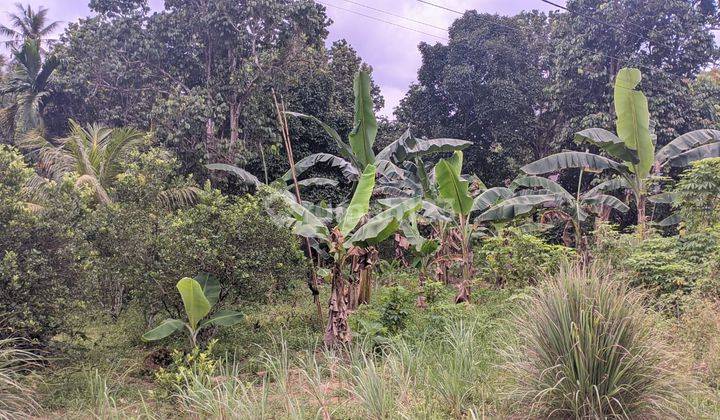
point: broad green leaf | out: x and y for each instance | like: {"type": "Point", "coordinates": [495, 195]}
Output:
{"type": "Point", "coordinates": [450, 186]}
{"type": "Point", "coordinates": [662, 198]}
{"type": "Point", "coordinates": [633, 119]}
{"type": "Point", "coordinates": [163, 330]}
{"type": "Point", "coordinates": [397, 150]}
{"type": "Point", "coordinates": [607, 201]}
{"type": "Point", "coordinates": [609, 185]}
{"type": "Point", "coordinates": [545, 183]}
{"type": "Point", "coordinates": [195, 302]}
{"type": "Point", "coordinates": [360, 201]}
{"type": "Point", "coordinates": [344, 148]}
{"type": "Point", "coordinates": [673, 219]}
{"type": "Point", "coordinates": [490, 197]}
{"type": "Point", "coordinates": [347, 169]}
{"type": "Point", "coordinates": [385, 223]}
{"type": "Point", "coordinates": [317, 182]}
{"type": "Point", "coordinates": [242, 174]}
{"type": "Point", "coordinates": [685, 143]}
{"type": "Point", "coordinates": [566, 160]}
{"type": "Point", "coordinates": [365, 128]}
{"type": "Point", "coordinates": [303, 222]}
{"type": "Point", "coordinates": [703, 152]}
{"type": "Point", "coordinates": [210, 287]}
{"type": "Point", "coordinates": [225, 318]}
{"type": "Point", "coordinates": [608, 142]}
{"type": "Point", "coordinates": [516, 206]}
{"type": "Point", "coordinates": [422, 175]}
{"type": "Point", "coordinates": [424, 147]}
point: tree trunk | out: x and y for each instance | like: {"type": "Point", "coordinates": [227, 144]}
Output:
{"type": "Point", "coordinates": [365, 286]}
{"type": "Point", "coordinates": [338, 331]}
{"type": "Point", "coordinates": [234, 124]}
{"type": "Point", "coordinates": [640, 202]}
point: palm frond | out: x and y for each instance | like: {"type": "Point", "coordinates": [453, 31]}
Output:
{"type": "Point", "coordinates": [179, 197]}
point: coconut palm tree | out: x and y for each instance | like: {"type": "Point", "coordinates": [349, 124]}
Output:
{"type": "Point", "coordinates": [93, 152]}
{"type": "Point", "coordinates": [28, 24]}
{"type": "Point", "coordinates": [25, 90]}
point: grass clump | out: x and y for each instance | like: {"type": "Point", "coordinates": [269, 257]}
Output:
{"type": "Point", "coordinates": [587, 348]}
{"type": "Point", "coordinates": [16, 399]}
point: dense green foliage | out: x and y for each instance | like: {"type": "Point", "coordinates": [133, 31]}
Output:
{"type": "Point", "coordinates": [40, 268]}
{"type": "Point", "coordinates": [514, 259]}
{"type": "Point", "coordinates": [146, 147]}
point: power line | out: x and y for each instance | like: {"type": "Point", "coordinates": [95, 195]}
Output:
{"type": "Point", "coordinates": [396, 15]}
{"type": "Point", "coordinates": [382, 20]}
{"type": "Point", "coordinates": [591, 18]}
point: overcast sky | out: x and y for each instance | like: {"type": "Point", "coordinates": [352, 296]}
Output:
{"type": "Point", "coordinates": [390, 50]}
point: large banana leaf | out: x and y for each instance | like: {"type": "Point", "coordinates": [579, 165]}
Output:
{"type": "Point", "coordinates": [686, 142]}
{"type": "Point", "coordinates": [360, 201]}
{"type": "Point", "coordinates": [490, 197]}
{"type": "Point", "coordinates": [225, 318]}
{"type": "Point", "coordinates": [673, 219]}
{"type": "Point", "coordinates": [609, 185]}
{"type": "Point", "coordinates": [607, 201]}
{"type": "Point", "coordinates": [242, 174]}
{"type": "Point", "coordinates": [397, 150]}
{"type": "Point", "coordinates": [703, 152]}
{"type": "Point", "coordinates": [163, 330]}
{"type": "Point", "coordinates": [365, 128]}
{"type": "Point", "coordinates": [662, 198]}
{"type": "Point", "coordinates": [385, 223]}
{"type": "Point", "coordinates": [633, 119]}
{"type": "Point", "coordinates": [516, 206]}
{"type": "Point", "coordinates": [348, 170]}
{"type": "Point", "coordinates": [317, 182]}
{"type": "Point", "coordinates": [608, 142]}
{"type": "Point", "coordinates": [565, 160]}
{"type": "Point", "coordinates": [306, 224]}
{"type": "Point", "coordinates": [389, 170]}
{"type": "Point", "coordinates": [424, 147]}
{"type": "Point", "coordinates": [451, 186]}
{"type": "Point", "coordinates": [195, 302]}
{"type": "Point", "coordinates": [345, 150]}
{"type": "Point", "coordinates": [544, 183]}
{"type": "Point", "coordinates": [210, 287]}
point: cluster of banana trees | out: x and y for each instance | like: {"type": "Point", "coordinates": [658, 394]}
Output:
{"type": "Point", "coordinates": [632, 163]}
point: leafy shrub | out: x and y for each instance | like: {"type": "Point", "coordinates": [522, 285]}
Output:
{"type": "Point", "coordinates": [141, 245]}
{"type": "Point", "coordinates": [396, 306]}
{"type": "Point", "coordinates": [672, 266]}
{"type": "Point", "coordinates": [587, 349]}
{"type": "Point", "coordinates": [698, 195]}
{"type": "Point", "coordinates": [514, 259]}
{"type": "Point", "coordinates": [196, 363]}
{"type": "Point", "coordinates": [39, 255]}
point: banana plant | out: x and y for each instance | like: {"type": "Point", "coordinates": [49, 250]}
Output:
{"type": "Point", "coordinates": [198, 296]}
{"type": "Point", "coordinates": [423, 250]}
{"type": "Point", "coordinates": [565, 206]}
{"type": "Point", "coordinates": [345, 239]}
{"type": "Point", "coordinates": [396, 163]}
{"type": "Point", "coordinates": [453, 190]}
{"type": "Point", "coordinates": [633, 147]}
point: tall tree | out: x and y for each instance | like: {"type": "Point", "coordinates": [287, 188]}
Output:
{"type": "Point", "coordinates": [27, 23]}
{"type": "Point", "coordinates": [25, 91]}
{"type": "Point", "coordinates": [520, 86]}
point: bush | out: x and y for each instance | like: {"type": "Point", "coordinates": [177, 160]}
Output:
{"type": "Point", "coordinates": [141, 246]}
{"type": "Point", "coordinates": [39, 255]}
{"type": "Point", "coordinates": [514, 259]}
{"type": "Point", "coordinates": [587, 348]}
{"type": "Point", "coordinates": [672, 266]}
{"type": "Point", "coordinates": [698, 195]}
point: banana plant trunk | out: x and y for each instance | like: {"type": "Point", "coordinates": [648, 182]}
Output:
{"type": "Point", "coordinates": [464, 286]}
{"type": "Point", "coordinates": [337, 333]}
{"type": "Point", "coordinates": [641, 203]}
{"type": "Point", "coordinates": [365, 286]}
{"type": "Point", "coordinates": [422, 280]}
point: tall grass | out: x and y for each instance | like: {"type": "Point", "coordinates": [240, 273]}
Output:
{"type": "Point", "coordinates": [587, 348]}
{"type": "Point", "coordinates": [16, 399]}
